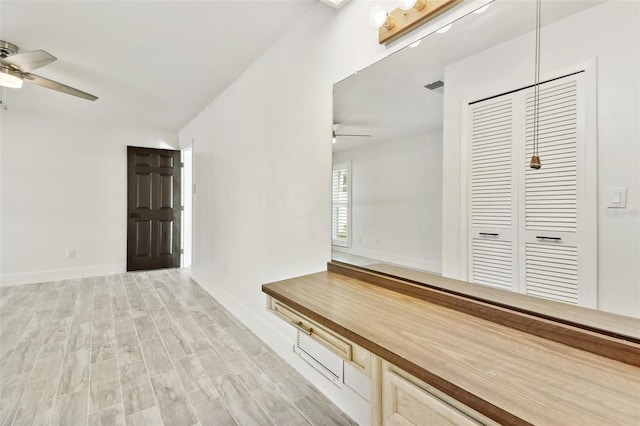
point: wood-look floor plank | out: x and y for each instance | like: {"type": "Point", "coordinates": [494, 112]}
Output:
{"type": "Point", "coordinates": [176, 344]}
{"type": "Point", "coordinates": [214, 413]}
{"type": "Point", "coordinates": [189, 328]}
{"type": "Point", "coordinates": [104, 371]}
{"type": "Point", "coordinates": [162, 318]}
{"type": "Point", "coordinates": [23, 358]}
{"type": "Point", "coordinates": [128, 348]}
{"type": "Point", "coordinates": [47, 402]}
{"type": "Point", "coordinates": [103, 344]}
{"type": "Point", "coordinates": [71, 409]}
{"type": "Point", "coordinates": [104, 394]}
{"type": "Point", "coordinates": [79, 336]}
{"type": "Point", "coordinates": [136, 391]}
{"type": "Point", "coordinates": [112, 416]}
{"type": "Point", "coordinates": [222, 342]}
{"type": "Point", "coordinates": [195, 380]}
{"type": "Point", "coordinates": [172, 400]}
{"type": "Point", "coordinates": [214, 365]}
{"type": "Point", "coordinates": [280, 409]}
{"type": "Point", "coordinates": [318, 412]}
{"type": "Point", "coordinates": [156, 357]}
{"type": "Point", "coordinates": [146, 328]}
{"type": "Point", "coordinates": [242, 406]}
{"type": "Point", "coordinates": [11, 389]}
{"type": "Point", "coordinates": [149, 417]}
{"type": "Point", "coordinates": [75, 372]}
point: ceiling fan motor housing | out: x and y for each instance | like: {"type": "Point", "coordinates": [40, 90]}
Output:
{"type": "Point", "coordinates": [7, 49]}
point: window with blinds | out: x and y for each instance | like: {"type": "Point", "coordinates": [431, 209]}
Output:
{"type": "Point", "coordinates": [341, 204]}
{"type": "Point", "coordinates": [527, 226]}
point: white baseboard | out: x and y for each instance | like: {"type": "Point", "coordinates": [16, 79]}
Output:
{"type": "Point", "coordinates": [61, 274]}
{"type": "Point", "coordinates": [410, 262]}
{"type": "Point", "coordinates": [280, 337]}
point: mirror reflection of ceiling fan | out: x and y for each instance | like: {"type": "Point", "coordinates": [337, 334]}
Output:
{"type": "Point", "coordinates": [15, 68]}
{"type": "Point", "coordinates": [338, 135]}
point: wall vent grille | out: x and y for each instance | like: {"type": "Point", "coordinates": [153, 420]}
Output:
{"type": "Point", "coordinates": [320, 358]}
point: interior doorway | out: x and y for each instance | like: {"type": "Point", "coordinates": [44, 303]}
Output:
{"type": "Point", "coordinates": [153, 208]}
{"type": "Point", "coordinates": [187, 204]}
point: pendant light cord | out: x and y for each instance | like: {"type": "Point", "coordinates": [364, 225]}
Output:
{"type": "Point", "coordinates": [536, 98]}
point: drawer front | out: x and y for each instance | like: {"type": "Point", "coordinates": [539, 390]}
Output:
{"type": "Point", "coordinates": [406, 403]}
{"type": "Point", "coordinates": [331, 341]}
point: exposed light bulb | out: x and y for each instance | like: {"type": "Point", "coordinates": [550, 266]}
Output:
{"type": "Point", "coordinates": [406, 4]}
{"type": "Point", "coordinates": [415, 44]}
{"type": "Point", "coordinates": [444, 29]}
{"type": "Point", "coordinates": [482, 9]}
{"type": "Point", "coordinates": [10, 78]}
{"type": "Point", "coordinates": [377, 16]}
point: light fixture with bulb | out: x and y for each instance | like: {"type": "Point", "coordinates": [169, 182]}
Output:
{"type": "Point", "coordinates": [10, 78]}
{"type": "Point", "coordinates": [379, 18]}
{"type": "Point", "coordinates": [407, 16]}
{"type": "Point", "coordinates": [409, 4]}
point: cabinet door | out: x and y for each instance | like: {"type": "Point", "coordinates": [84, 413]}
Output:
{"type": "Point", "coordinates": [404, 403]}
{"type": "Point", "coordinates": [493, 206]}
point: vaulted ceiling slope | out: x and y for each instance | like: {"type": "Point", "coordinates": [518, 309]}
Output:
{"type": "Point", "coordinates": [154, 63]}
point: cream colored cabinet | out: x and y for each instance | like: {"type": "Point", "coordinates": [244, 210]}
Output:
{"type": "Point", "coordinates": [406, 400]}
{"type": "Point", "coordinates": [345, 349]}
{"type": "Point", "coordinates": [397, 398]}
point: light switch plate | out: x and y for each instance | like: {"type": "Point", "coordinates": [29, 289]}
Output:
{"type": "Point", "coordinates": [617, 197]}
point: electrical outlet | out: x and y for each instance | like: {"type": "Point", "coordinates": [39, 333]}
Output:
{"type": "Point", "coordinates": [70, 254]}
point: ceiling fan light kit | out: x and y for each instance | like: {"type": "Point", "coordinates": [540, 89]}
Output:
{"type": "Point", "coordinates": [15, 68]}
{"type": "Point", "coordinates": [10, 78]}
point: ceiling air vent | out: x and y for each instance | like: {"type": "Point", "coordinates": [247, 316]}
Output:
{"type": "Point", "coordinates": [436, 86]}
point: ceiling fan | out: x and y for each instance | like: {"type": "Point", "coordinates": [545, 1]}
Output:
{"type": "Point", "coordinates": [15, 68]}
{"type": "Point", "coordinates": [337, 135]}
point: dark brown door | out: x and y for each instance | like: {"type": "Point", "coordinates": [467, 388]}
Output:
{"type": "Point", "coordinates": [153, 224]}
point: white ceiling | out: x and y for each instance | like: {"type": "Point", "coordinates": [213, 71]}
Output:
{"type": "Point", "coordinates": [153, 63]}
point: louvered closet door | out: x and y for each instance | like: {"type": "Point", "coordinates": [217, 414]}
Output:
{"type": "Point", "coordinates": [493, 212]}
{"type": "Point", "coordinates": [552, 203]}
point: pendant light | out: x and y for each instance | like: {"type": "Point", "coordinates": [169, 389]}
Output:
{"type": "Point", "coordinates": [535, 158]}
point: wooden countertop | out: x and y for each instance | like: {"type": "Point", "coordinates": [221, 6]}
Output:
{"type": "Point", "coordinates": [605, 322]}
{"type": "Point", "coordinates": [506, 374]}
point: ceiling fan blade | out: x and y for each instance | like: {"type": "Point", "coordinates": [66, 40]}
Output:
{"type": "Point", "coordinates": [28, 61]}
{"type": "Point", "coordinates": [54, 85]}
{"type": "Point", "coordinates": [364, 136]}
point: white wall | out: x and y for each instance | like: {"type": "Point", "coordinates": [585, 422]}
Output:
{"type": "Point", "coordinates": [262, 163]}
{"type": "Point", "coordinates": [64, 187]}
{"type": "Point", "coordinates": [609, 33]}
{"type": "Point", "coordinates": [396, 201]}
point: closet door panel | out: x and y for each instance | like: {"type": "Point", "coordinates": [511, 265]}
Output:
{"type": "Point", "coordinates": [551, 233]}
{"type": "Point", "coordinates": [492, 204]}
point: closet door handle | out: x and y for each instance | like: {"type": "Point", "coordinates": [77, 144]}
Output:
{"type": "Point", "coordinates": [299, 326]}
{"type": "Point", "coordinates": [488, 234]}
{"type": "Point", "coordinates": [549, 238]}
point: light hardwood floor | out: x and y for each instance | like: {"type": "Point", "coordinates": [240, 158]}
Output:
{"type": "Point", "coordinates": [143, 348]}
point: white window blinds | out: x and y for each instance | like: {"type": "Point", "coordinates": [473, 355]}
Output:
{"type": "Point", "coordinates": [341, 204]}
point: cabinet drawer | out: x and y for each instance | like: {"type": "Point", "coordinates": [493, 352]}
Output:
{"type": "Point", "coordinates": [350, 352]}
{"type": "Point", "coordinates": [408, 401]}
